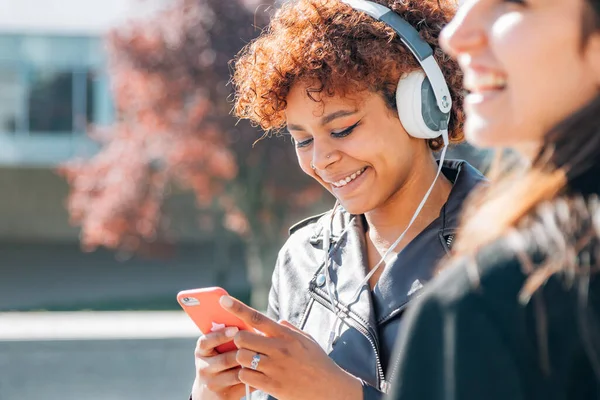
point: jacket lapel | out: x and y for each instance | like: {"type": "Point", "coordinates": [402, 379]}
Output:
{"type": "Point", "coordinates": [347, 269]}
{"type": "Point", "coordinates": [416, 264]}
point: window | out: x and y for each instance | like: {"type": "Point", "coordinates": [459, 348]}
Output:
{"type": "Point", "coordinates": [50, 102]}
{"type": "Point", "coordinates": [98, 101]}
{"type": "Point", "coordinates": [52, 88]}
{"type": "Point", "coordinates": [52, 85]}
{"type": "Point", "coordinates": [11, 94]}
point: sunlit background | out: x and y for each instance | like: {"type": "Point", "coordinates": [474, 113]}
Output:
{"type": "Point", "coordinates": [90, 265]}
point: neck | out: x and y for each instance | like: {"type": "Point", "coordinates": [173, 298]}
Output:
{"type": "Point", "coordinates": [528, 150]}
{"type": "Point", "coordinates": [386, 223]}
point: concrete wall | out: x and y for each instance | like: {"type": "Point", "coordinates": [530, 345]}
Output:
{"type": "Point", "coordinates": [32, 207]}
{"type": "Point", "coordinates": [61, 277]}
{"type": "Point", "coordinates": [43, 267]}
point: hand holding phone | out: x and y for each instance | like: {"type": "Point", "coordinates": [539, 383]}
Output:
{"type": "Point", "coordinates": [202, 306]}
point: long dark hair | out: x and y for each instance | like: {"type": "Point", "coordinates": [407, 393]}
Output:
{"type": "Point", "coordinates": [556, 199]}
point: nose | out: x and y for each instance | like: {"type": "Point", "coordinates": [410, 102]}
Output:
{"type": "Point", "coordinates": [465, 33]}
{"type": "Point", "coordinates": [324, 154]}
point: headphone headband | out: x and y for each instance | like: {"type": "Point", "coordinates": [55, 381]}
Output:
{"type": "Point", "coordinates": [418, 47]}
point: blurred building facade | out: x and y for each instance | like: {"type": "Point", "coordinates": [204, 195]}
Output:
{"type": "Point", "coordinates": [53, 84]}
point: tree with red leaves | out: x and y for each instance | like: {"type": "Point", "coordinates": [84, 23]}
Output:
{"type": "Point", "coordinates": [173, 127]}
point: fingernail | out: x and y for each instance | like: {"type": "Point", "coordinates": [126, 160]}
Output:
{"type": "Point", "coordinates": [231, 331]}
{"type": "Point", "coordinates": [226, 301]}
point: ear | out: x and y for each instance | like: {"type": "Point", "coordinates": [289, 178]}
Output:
{"type": "Point", "coordinates": [593, 55]}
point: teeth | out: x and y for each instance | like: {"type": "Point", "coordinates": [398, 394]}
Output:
{"type": "Point", "coordinates": [477, 82]}
{"type": "Point", "coordinates": [348, 179]}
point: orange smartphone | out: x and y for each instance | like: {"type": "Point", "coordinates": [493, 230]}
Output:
{"type": "Point", "coordinates": [203, 307]}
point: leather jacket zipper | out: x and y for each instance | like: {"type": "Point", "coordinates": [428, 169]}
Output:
{"type": "Point", "coordinates": [449, 240]}
{"type": "Point", "coordinates": [363, 329]}
{"type": "Point", "coordinates": [395, 368]}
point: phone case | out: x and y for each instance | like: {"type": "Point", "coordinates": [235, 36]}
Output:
{"type": "Point", "coordinates": [203, 307]}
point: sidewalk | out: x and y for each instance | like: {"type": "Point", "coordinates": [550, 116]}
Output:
{"type": "Point", "coordinates": [95, 325]}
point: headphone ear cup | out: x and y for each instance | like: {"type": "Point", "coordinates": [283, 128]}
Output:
{"type": "Point", "coordinates": [417, 108]}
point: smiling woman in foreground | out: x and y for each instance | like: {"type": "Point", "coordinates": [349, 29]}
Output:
{"type": "Point", "coordinates": [517, 314]}
{"type": "Point", "coordinates": [367, 99]}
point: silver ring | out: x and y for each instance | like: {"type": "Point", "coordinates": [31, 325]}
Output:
{"type": "Point", "coordinates": [255, 361]}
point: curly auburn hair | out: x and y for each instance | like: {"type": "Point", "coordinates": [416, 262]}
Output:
{"type": "Point", "coordinates": [346, 51]}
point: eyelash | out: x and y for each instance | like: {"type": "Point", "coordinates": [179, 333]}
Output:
{"type": "Point", "coordinates": [337, 135]}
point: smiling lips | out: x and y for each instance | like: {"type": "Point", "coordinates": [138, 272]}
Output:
{"type": "Point", "coordinates": [344, 181]}
{"type": "Point", "coordinates": [478, 82]}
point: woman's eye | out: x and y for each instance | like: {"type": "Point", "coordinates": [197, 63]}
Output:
{"type": "Point", "coordinates": [346, 131]}
{"type": "Point", "coordinates": [303, 143]}
{"type": "Point", "coordinates": [340, 134]}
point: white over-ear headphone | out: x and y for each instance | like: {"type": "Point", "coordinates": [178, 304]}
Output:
{"type": "Point", "coordinates": [422, 97]}
{"type": "Point", "coordinates": [417, 109]}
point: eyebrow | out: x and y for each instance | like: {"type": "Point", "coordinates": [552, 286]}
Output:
{"type": "Point", "coordinates": [325, 119]}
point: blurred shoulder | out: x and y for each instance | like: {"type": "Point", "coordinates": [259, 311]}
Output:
{"type": "Point", "coordinates": [494, 272]}
{"type": "Point", "coordinates": [556, 239]}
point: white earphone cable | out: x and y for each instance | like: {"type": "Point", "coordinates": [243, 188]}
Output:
{"type": "Point", "coordinates": [326, 245]}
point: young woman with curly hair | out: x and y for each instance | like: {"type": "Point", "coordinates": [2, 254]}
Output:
{"type": "Point", "coordinates": [516, 315]}
{"type": "Point", "coordinates": [349, 86]}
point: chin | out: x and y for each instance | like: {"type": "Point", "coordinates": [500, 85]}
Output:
{"type": "Point", "coordinates": [485, 134]}
{"type": "Point", "coordinates": [355, 207]}
{"type": "Point", "coordinates": [482, 134]}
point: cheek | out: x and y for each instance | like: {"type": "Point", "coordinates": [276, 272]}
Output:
{"type": "Point", "coordinates": [532, 51]}
{"type": "Point", "coordinates": [379, 141]}
{"type": "Point", "coordinates": [540, 63]}
{"type": "Point", "coordinates": [512, 43]}
{"type": "Point", "coordinates": [304, 162]}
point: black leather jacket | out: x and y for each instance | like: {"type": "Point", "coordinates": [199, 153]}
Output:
{"type": "Point", "coordinates": [372, 323]}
